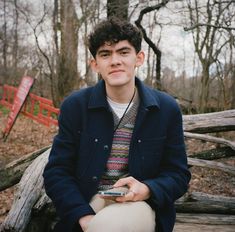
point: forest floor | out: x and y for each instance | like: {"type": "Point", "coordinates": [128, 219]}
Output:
{"type": "Point", "coordinates": [28, 136]}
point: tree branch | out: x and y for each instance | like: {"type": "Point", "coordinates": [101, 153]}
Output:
{"type": "Point", "coordinates": [147, 39]}
{"type": "Point", "coordinates": [207, 25]}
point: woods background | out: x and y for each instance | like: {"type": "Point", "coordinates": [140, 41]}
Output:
{"type": "Point", "coordinates": [50, 37]}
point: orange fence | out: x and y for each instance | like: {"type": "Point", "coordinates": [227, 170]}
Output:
{"type": "Point", "coordinates": [38, 108]}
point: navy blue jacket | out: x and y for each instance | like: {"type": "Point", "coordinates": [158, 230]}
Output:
{"type": "Point", "coordinates": [82, 146]}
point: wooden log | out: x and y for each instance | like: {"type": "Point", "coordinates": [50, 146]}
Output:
{"type": "Point", "coordinates": [197, 202]}
{"type": "Point", "coordinates": [211, 122]}
{"type": "Point", "coordinates": [209, 219]}
{"type": "Point", "coordinates": [193, 227]}
{"type": "Point", "coordinates": [211, 164]}
{"type": "Point", "coordinates": [29, 191]}
{"type": "Point", "coordinates": [11, 174]}
{"type": "Point", "coordinates": [212, 139]}
{"type": "Point", "coordinates": [43, 217]}
{"type": "Point", "coordinates": [43, 202]}
{"type": "Point", "coordinates": [213, 154]}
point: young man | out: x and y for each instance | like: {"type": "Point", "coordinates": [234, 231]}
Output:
{"type": "Point", "coordinates": [118, 128]}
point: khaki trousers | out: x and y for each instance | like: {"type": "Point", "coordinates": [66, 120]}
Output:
{"type": "Point", "coordinates": [121, 217]}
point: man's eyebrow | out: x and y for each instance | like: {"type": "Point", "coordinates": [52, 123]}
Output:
{"type": "Point", "coordinates": [108, 51]}
{"type": "Point", "coordinates": [103, 51]}
{"type": "Point", "coordinates": [123, 48]}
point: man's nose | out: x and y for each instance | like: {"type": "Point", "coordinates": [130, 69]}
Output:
{"type": "Point", "coordinates": [115, 59]}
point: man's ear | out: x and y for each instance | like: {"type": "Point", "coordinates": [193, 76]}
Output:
{"type": "Point", "coordinates": [140, 58]}
{"type": "Point", "coordinates": [93, 64]}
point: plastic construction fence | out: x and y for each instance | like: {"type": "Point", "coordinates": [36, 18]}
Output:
{"type": "Point", "coordinates": [37, 108]}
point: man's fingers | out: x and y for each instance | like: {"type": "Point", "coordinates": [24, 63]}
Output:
{"type": "Point", "coordinates": [124, 181]}
{"type": "Point", "coordinates": [130, 196]}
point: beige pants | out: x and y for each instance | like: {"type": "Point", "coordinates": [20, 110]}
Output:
{"type": "Point", "coordinates": [121, 217]}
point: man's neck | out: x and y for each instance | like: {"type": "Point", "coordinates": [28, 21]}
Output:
{"type": "Point", "coordinates": [120, 94]}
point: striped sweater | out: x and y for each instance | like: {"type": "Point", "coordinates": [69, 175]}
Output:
{"type": "Point", "coordinates": [117, 164]}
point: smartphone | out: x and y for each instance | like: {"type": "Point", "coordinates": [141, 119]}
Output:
{"type": "Point", "coordinates": [115, 192]}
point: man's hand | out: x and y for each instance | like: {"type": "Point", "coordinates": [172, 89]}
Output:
{"type": "Point", "coordinates": [138, 191]}
{"type": "Point", "coordinates": [84, 221]}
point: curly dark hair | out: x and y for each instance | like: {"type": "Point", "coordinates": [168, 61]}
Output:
{"type": "Point", "coordinates": [112, 31]}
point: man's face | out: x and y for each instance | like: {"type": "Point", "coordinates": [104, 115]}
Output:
{"type": "Point", "coordinates": [117, 63]}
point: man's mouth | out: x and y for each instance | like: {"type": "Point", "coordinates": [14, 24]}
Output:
{"type": "Point", "coordinates": [116, 71]}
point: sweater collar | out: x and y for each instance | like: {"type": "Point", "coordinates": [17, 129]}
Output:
{"type": "Point", "coordinates": [148, 98]}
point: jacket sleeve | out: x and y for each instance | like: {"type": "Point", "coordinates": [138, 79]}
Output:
{"type": "Point", "coordinates": [174, 176]}
{"type": "Point", "coordinates": [59, 174]}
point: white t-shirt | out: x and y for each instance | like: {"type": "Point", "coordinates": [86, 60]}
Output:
{"type": "Point", "coordinates": [118, 108]}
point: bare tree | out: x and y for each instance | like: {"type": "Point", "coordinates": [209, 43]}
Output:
{"type": "Point", "coordinates": [156, 50]}
{"type": "Point", "coordinates": [67, 60]}
{"type": "Point", "coordinates": [233, 88]}
{"type": "Point", "coordinates": [209, 24]}
{"type": "Point", "coordinates": [90, 78]}
{"type": "Point", "coordinates": [15, 44]}
{"type": "Point", "coordinates": [5, 40]}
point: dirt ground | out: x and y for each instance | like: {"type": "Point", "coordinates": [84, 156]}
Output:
{"type": "Point", "coordinates": [28, 136]}
{"type": "Point", "coordinates": [25, 137]}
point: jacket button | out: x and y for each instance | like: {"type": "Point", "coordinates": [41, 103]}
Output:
{"type": "Point", "coordinates": [94, 178]}
{"type": "Point", "coordinates": [106, 147]}
{"type": "Point", "coordinates": [139, 140]}
{"type": "Point", "coordinates": [96, 140]}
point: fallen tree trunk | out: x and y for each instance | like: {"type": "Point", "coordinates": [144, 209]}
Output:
{"type": "Point", "coordinates": [29, 191]}
{"type": "Point", "coordinates": [211, 122]}
{"type": "Point", "coordinates": [197, 202]}
{"type": "Point", "coordinates": [213, 154]}
{"type": "Point", "coordinates": [209, 219]}
{"type": "Point", "coordinates": [212, 164]}
{"type": "Point", "coordinates": [11, 174]}
{"type": "Point", "coordinates": [195, 227]}
{"type": "Point", "coordinates": [209, 138]}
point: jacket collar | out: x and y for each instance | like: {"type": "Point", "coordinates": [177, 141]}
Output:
{"type": "Point", "coordinates": [148, 98]}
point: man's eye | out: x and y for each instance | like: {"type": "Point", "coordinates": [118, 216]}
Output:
{"type": "Point", "coordinates": [124, 53]}
{"type": "Point", "coordinates": [104, 55]}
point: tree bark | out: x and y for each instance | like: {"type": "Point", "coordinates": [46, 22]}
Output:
{"type": "Point", "coordinates": [211, 164]}
{"type": "Point", "coordinates": [213, 154]}
{"type": "Point", "coordinates": [29, 191]}
{"type": "Point", "coordinates": [12, 173]}
{"type": "Point", "coordinates": [210, 122]}
{"type": "Point", "coordinates": [15, 46]}
{"type": "Point", "coordinates": [118, 8]}
{"type": "Point", "coordinates": [211, 219]}
{"type": "Point", "coordinates": [67, 67]}
{"type": "Point", "coordinates": [209, 138]}
{"type": "Point", "coordinates": [5, 41]}
{"type": "Point", "coordinates": [197, 202]}
{"type": "Point", "coordinates": [233, 88]}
